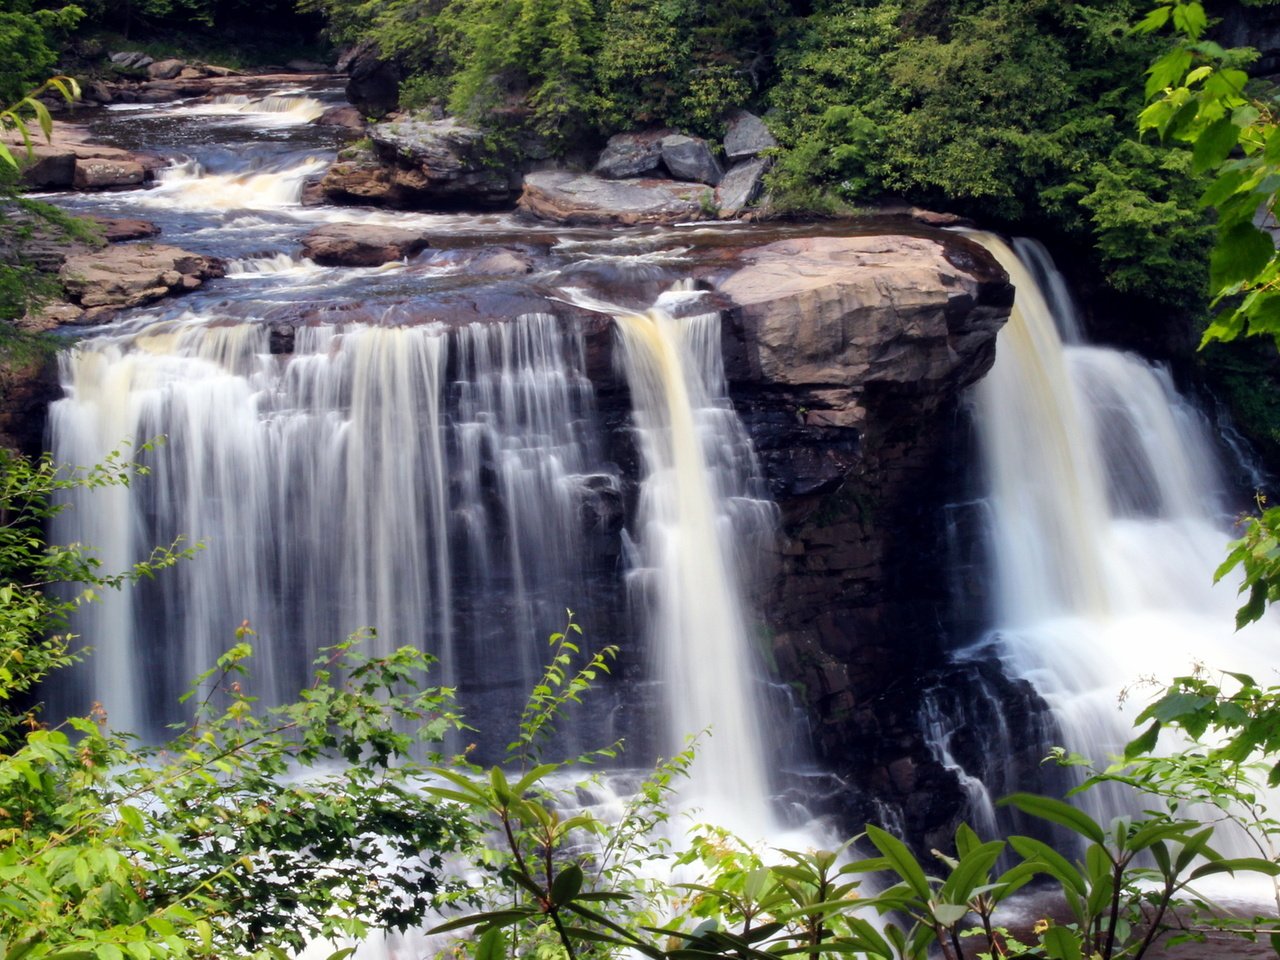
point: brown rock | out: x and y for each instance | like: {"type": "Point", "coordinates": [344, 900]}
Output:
{"type": "Point", "coordinates": [118, 230]}
{"type": "Point", "coordinates": [360, 245]}
{"type": "Point", "coordinates": [348, 118]}
{"type": "Point", "coordinates": [131, 275]}
{"type": "Point", "coordinates": [584, 198]}
{"type": "Point", "coordinates": [49, 167]}
{"type": "Point", "coordinates": [165, 69]}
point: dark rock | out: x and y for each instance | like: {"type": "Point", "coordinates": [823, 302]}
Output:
{"type": "Point", "coordinates": [49, 167]}
{"type": "Point", "coordinates": [690, 158]}
{"type": "Point", "coordinates": [373, 83]}
{"type": "Point", "coordinates": [746, 136]}
{"type": "Point", "coordinates": [306, 66]}
{"type": "Point", "coordinates": [740, 186]}
{"type": "Point", "coordinates": [631, 155]}
{"type": "Point", "coordinates": [583, 198]}
{"type": "Point", "coordinates": [360, 245]}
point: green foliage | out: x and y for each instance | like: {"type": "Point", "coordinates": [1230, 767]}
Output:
{"type": "Point", "coordinates": [33, 615]}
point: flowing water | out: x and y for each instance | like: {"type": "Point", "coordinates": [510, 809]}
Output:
{"type": "Point", "coordinates": [351, 450]}
{"type": "Point", "coordinates": [1108, 519]}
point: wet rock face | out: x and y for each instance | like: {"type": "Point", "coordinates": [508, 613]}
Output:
{"type": "Point", "coordinates": [848, 358]}
{"type": "Point", "coordinates": [360, 245]}
{"type": "Point", "coordinates": [586, 199]}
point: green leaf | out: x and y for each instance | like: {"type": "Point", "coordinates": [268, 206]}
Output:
{"type": "Point", "coordinates": [1242, 252]}
{"type": "Point", "coordinates": [1214, 144]}
{"type": "Point", "coordinates": [1061, 944]}
{"type": "Point", "coordinates": [900, 860]}
{"type": "Point", "coordinates": [1055, 811]}
{"type": "Point", "coordinates": [566, 885]}
{"type": "Point", "coordinates": [1037, 852]}
{"type": "Point", "coordinates": [1247, 864]}
{"type": "Point", "coordinates": [493, 945]}
{"type": "Point", "coordinates": [1145, 743]}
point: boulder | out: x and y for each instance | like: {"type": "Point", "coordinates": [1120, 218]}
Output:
{"type": "Point", "coordinates": [740, 186]}
{"type": "Point", "coordinates": [746, 136]}
{"type": "Point", "coordinates": [49, 167]}
{"type": "Point", "coordinates": [118, 230]}
{"type": "Point", "coordinates": [818, 311]}
{"type": "Point", "coordinates": [631, 155]}
{"type": "Point", "coordinates": [580, 198]}
{"type": "Point", "coordinates": [442, 162]}
{"type": "Point", "coordinates": [97, 173]}
{"type": "Point", "coordinates": [360, 245]}
{"type": "Point", "coordinates": [373, 83]}
{"type": "Point", "coordinates": [130, 275]}
{"type": "Point", "coordinates": [306, 66]}
{"type": "Point", "coordinates": [347, 117]}
{"type": "Point", "coordinates": [131, 60]}
{"type": "Point", "coordinates": [690, 158]}
{"type": "Point", "coordinates": [165, 69]}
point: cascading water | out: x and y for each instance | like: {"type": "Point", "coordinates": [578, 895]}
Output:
{"type": "Point", "coordinates": [333, 493]}
{"type": "Point", "coordinates": [1107, 526]}
{"type": "Point", "coordinates": [699, 521]}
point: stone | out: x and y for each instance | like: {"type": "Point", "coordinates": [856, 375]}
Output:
{"type": "Point", "coordinates": [131, 275]}
{"type": "Point", "coordinates": [580, 198]}
{"type": "Point", "coordinates": [690, 158]}
{"type": "Point", "coordinates": [819, 311]}
{"type": "Point", "coordinates": [360, 245]}
{"type": "Point", "coordinates": [99, 91]}
{"type": "Point", "coordinates": [165, 69]}
{"type": "Point", "coordinates": [437, 162]}
{"type": "Point", "coordinates": [131, 59]}
{"type": "Point", "coordinates": [306, 66]}
{"type": "Point", "coordinates": [740, 186]}
{"type": "Point", "coordinates": [631, 155]}
{"type": "Point", "coordinates": [49, 167]}
{"type": "Point", "coordinates": [99, 173]}
{"type": "Point", "coordinates": [118, 230]}
{"type": "Point", "coordinates": [191, 73]}
{"type": "Point", "coordinates": [373, 83]}
{"type": "Point", "coordinates": [346, 117]}
{"type": "Point", "coordinates": [746, 136]}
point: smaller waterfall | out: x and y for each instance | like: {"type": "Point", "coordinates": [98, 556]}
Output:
{"type": "Point", "coordinates": [699, 520]}
{"type": "Point", "coordinates": [1107, 525]}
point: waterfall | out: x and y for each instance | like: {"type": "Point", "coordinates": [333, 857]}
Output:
{"type": "Point", "coordinates": [698, 520]}
{"type": "Point", "coordinates": [1108, 521]}
{"type": "Point", "coordinates": [349, 484]}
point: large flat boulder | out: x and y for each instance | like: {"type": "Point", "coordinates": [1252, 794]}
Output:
{"type": "Point", "coordinates": [360, 244]}
{"type": "Point", "coordinates": [896, 311]}
{"type": "Point", "coordinates": [450, 162]}
{"type": "Point", "coordinates": [581, 198]}
{"type": "Point", "coordinates": [118, 277]}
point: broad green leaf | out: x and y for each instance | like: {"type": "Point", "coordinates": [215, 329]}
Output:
{"type": "Point", "coordinates": [1054, 863]}
{"type": "Point", "coordinates": [1055, 811]}
{"type": "Point", "coordinates": [1214, 144]}
{"type": "Point", "coordinates": [1061, 944]}
{"type": "Point", "coordinates": [492, 945]}
{"type": "Point", "coordinates": [900, 860]}
{"type": "Point", "coordinates": [566, 885]}
{"type": "Point", "coordinates": [1242, 252]}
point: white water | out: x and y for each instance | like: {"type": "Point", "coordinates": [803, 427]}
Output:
{"type": "Point", "coordinates": [696, 523]}
{"type": "Point", "coordinates": [1108, 525]}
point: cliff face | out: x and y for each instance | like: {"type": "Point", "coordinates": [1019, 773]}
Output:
{"type": "Point", "coordinates": [847, 359]}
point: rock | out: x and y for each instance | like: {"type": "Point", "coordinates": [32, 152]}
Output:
{"type": "Point", "coordinates": [746, 136]}
{"type": "Point", "coordinates": [306, 66]}
{"type": "Point", "coordinates": [192, 73]}
{"type": "Point", "coordinates": [631, 155]}
{"type": "Point", "coordinates": [584, 198]}
{"type": "Point", "coordinates": [99, 91]}
{"type": "Point", "coordinates": [97, 173]}
{"type": "Point", "coordinates": [133, 274]}
{"type": "Point", "coordinates": [360, 245]}
{"type": "Point", "coordinates": [740, 186]}
{"type": "Point", "coordinates": [165, 69]}
{"type": "Point", "coordinates": [373, 84]}
{"type": "Point", "coordinates": [690, 158]}
{"type": "Point", "coordinates": [49, 167]}
{"type": "Point", "coordinates": [482, 261]}
{"type": "Point", "coordinates": [934, 218]}
{"type": "Point", "coordinates": [819, 311]}
{"type": "Point", "coordinates": [118, 230]}
{"type": "Point", "coordinates": [131, 60]}
{"type": "Point", "coordinates": [349, 118]}
{"type": "Point", "coordinates": [440, 162]}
